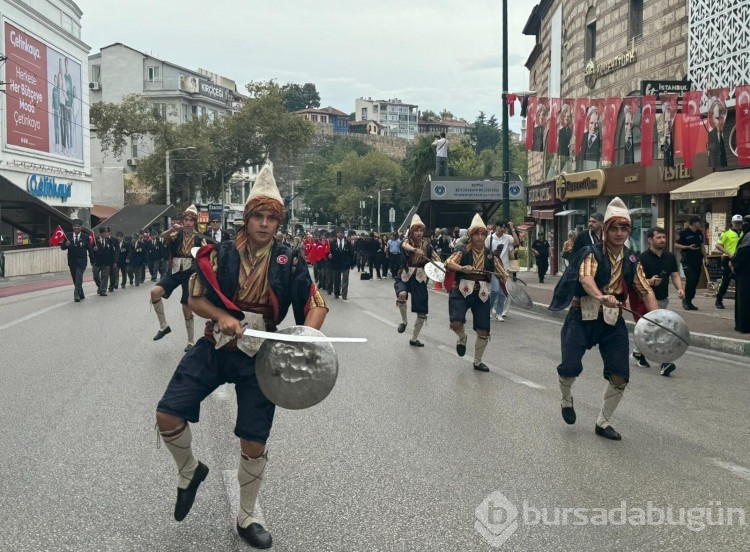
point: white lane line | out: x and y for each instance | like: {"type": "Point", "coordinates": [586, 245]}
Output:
{"type": "Point", "coordinates": [739, 471]}
{"type": "Point", "coordinates": [505, 373]}
{"type": "Point", "coordinates": [32, 315]}
{"type": "Point", "coordinates": [233, 493]}
{"type": "Point", "coordinates": [386, 321]}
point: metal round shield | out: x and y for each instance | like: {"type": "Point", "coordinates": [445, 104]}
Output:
{"type": "Point", "coordinates": [656, 343]}
{"type": "Point", "coordinates": [518, 295]}
{"type": "Point", "coordinates": [296, 375]}
{"type": "Point", "coordinates": [435, 271]}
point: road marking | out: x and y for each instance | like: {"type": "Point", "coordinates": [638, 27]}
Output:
{"type": "Point", "coordinates": [386, 321]}
{"type": "Point", "coordinates": [740, 471]}
{"type": "Point", "coordinates": [32, 315]}
{"type": "Point", "coordinates": [505, 373]}
{"type": "Point", "coordinates": [233, 494]}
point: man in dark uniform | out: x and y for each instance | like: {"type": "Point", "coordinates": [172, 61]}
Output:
{"type": "Point", "coordinates": [256, 280]}
{"type": "Point", "coordinates": [411, 280]}
{"type": "Point", "coordinates": [77, 245]}
{"type": "Point", "coordinates": [597, 282]}
{"type": "Point", "coordinates": [540, 248]}
{"type": "Point", "coordinates": [181, 238]}
{"type": "Point", "coordinates": [102, 254]}
{"type": "Point", "coordinates": [123, 254]}
{"type": "Point", "coordinates": [341, 261]}
{"type": "Point", "coordinates": [471, 290]}
{"type": "Point", "coordinates": [690, 243]}
{"type": "Point", "coordinates": [214, 232]}
{"type": "Point", "coordinates": [158, 264]}
{"type": "Point", "coordinates": [114, 268]}
{"type": "Point", "coordinates": [591, 236]}
{"type": "Point", "coordinates": [138, 257]}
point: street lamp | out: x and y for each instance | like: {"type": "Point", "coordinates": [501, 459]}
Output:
{"type": "Point", "coordinates": [388, 190]}
{"type": "Point", "coordinates": [168, 174]}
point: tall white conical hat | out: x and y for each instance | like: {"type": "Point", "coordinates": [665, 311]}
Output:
{"type": "Point", "coordinates": [191, 211]}
{"type": "Point", "coordinates": [618, 209]}
{"type": "Point", "coordinates": [416, 221]}
{"type": "Point", "coordinates": [265, 185]}
{"type": "Point", "coordinates": [476, 224]}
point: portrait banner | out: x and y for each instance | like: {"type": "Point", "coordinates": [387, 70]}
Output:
{"type": "Point", "coordinates": [716, 117]}
{"type": "Point", "coordinates": [582, 107]}
{"type": "Point", "coordinates": [742, 124]}
{"type": "Point", "coordinates": [667, 128]}
{"type": "Point", "coordinates": [692, 130]}
{"type": "Point", "coordinates": [611, 113]}
{"type": "Point", "coordinates": [554, 113]}
{"type": "Point", "coordinates": [631, 117]}
{"type": "Point", "coordinates": [541, 112]}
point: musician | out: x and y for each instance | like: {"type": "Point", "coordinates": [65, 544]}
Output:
{"type": "Point", "coordinates": [416, 251]}
{"type": "Point", "coordinates": [77, 246]}
{"type": "Point", "coordinates": [597, 281]}
{"type": "Point", "coordinates": [258, 279]}
{"type": "Point", "coordinates": [471, 289]}
{"type": "Point", "coordinates": [181, 238]}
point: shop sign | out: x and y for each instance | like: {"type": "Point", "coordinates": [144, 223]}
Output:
{"type": "Point", "coordinates": [582, 184]}
{"type": "Point", "coordinates": [48, 186]}
{"type": "Point", "coordinates": [680, 172]}
{"type": "Point", "coordinates": [593, 71]}
{"type": "Point", "coordinates": [544, 194]}
{"type": "Point", "coordinates": [474, 190]}
{"type": "Point", "coordinates": [659, 87]}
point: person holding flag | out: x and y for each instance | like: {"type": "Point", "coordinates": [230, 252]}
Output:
{"type": "Point", "coordinates": [77, 245]}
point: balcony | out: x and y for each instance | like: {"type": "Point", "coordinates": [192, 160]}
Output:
{"type": "Point", "coordinates": [157, 85]}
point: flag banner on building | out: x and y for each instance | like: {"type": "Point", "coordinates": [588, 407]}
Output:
{"type": "Point", "coordinates": [611, 114]}
{"type": "Point", "coordinates": [541, 111]}
{"type": "Point", "coordinates": [564, 127]}
{"type": "Point", "coordinates": [530, 122]}
{"type": "Point", "coordinates": [57, 237]}
{"type": "Point", "coordinates": [667, 129]}
{"type": "Point", "coordinates": [631, 120]}
{"type": "Point", "coordinates": [582, 107]}
{"type": "Point", "coordinates": [591, 142]}
{"type": "Point", "coordinates": [692, 129]}
{"type": "Point", "coordinates": [742, 124]}
{"type": "Point", "coordinates": [648, 115]}
{"type": "Point", "coordinates": [554, 113]}
{"type": "Point", "coordinates": [717, 116]}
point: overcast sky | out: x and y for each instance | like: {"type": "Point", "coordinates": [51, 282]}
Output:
{"type": "Point", "coordinates": [434, 53]}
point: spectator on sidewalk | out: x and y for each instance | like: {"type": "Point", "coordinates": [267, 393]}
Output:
{"type": "Point", "coordinates": [728, 243]}
{"type": "Point", "coordinates": [690, 243]}
{"type": "Point", "coordinates": [540, 249]}
{"type": "Point", "coordinates": [591, 236]}
{"type": "Point", "coordinates": [500, 244]}
{"type": "Point", "coordinates": [394, 254]}
{"type": "Point", "coordinates": [659, 266]}
{"type": "Point", "coordinates": [741, 268]}
{"type": "Point", "coordinates": [567, 250]}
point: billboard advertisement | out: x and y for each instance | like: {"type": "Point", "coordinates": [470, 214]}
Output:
{"type": "Point", "coordinates": [43, 97]}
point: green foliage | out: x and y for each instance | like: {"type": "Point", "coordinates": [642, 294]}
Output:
{"type": "Point", "coordinates": [429, 115]}
{"type": "Point", "coordinates": [116, 124]}
{"type": "Point", "coordinates": [298, 97]}
{"type": "Point", "coordinates": [445, 114]}
{"type": "Point", "coordinates": [486, 134]}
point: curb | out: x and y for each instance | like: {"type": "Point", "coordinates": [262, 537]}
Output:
{"type": "Point", "coordinates": [728, 345]}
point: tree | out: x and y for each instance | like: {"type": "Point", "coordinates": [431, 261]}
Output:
{"type": "Point", "coordinates": [298, 97]}
{"type": "Point", "coordinates": [429, 115]}
{"type": "Point", "coordinates": [445, 114]}
{"type": "Point", "coordinates": [117, 124]}
{"type": "Point", "coordinates": [485, 134]}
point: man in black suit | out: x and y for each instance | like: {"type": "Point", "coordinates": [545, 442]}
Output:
{"type": "Point", "coordinates": [565, 132]}
{"type": "Point", "coordinates": [342, 261]}
{"type": "Point", "coordinates": [591, 146]}
{"type": "Point", "coordinates": [591, 236]}
{"type": "Point", "coordinates": [138, 257]}
{"type": "Point", "coordinates": [667, 146]}
{"type": "Point", "coordinates": [717, 153]}
{"type": "Point", "coordinates": [628, 148]}
{"type": "Point", "coordinates": [159, 256]}
{"type": "Point", "coordinates": [215, 232]}
{"type": "Point", "coordinates": [123, 254]}
{"type": "Point", "coordinates": [77, 245]}
{"type": "Point", "coordinates": [539, 128]}
{"type": "Point", "coordinates": [102, 254]}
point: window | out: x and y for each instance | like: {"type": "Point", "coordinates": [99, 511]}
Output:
{"type": "Point", "coordinates": [364, 113]}
{"type": "Point", "coordinates": [314, 118]}
{"type": "Point", "coordinates": [154, 73]}
{"type": "Point", "coordinates": [636, 19]}
{"type": "Point", "coordinates": [96, 73]}
{"type": "Point", "coordinates": [133, 148]}
{"type": "Point", "coordinates": [323, 119]}
{"type": "Point", "coordinates": [590, 45]}
{"type": "Point", "coordinates": [160, 109]}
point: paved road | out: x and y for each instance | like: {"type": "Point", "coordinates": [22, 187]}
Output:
{"type": "Point", "coordinates": [398, 458]}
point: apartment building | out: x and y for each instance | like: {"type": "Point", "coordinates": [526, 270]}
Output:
{"type": "Point", "coordinates": [396, 117]}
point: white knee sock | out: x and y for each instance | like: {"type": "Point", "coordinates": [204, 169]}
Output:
{"type": "Point", "coordinates": [190, 327]}
{"type": "Point", "coordinates": [159, 310]}
{"type": "Point", "coordinates": [418, 323]}
{"type": "Point", "coordinates": [612, 396]}
{"type": "Point", "coordinates": [179, 446]}
{"type": "Point", "coordinates": [402, 310]}
{"type": "Point", "coordinates": [250, 476]}
{"type": "Point", "coordinates": [461, 335]}
{"type": "Point", "coordinates": [565, 390]}
{"type": "Point", "coordinates": [479, 347]}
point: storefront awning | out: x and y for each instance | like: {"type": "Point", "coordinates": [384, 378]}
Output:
{"type": "Point", "coordinates": [28, 213]}
{"type": "Point", "coordinates": [640, 211]}
{"type": "Point", "coordinates": [543, 214]}
{"type": "Point", "coordinates": [718, 184]}
{"type": "Point", "coordinates": [570, 212]}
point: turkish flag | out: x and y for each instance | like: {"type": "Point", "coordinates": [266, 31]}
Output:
{"type": "Point", "coordinates": [692, 126]}
{"type": "Point", "coordinates": [582, 107]}
{"type": "Point", "coordinates": [648, 114]}
{"type": "Point", "coordinates": [57, 237]}
{"type": "Point", "coordinates": [530, 122]}
{"type": "Point", "coordinates": [742, 124]}
{"type": "Point", "coordinates": [554, 111]}
{"type": "Point", "coordinates": [611, 112]}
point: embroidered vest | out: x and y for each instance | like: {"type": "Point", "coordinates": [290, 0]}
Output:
{"type": "Point", "coordinates": [467, 258]}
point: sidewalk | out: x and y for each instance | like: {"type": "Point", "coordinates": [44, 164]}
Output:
{"type": "Point", "coordinates": [710, 328]}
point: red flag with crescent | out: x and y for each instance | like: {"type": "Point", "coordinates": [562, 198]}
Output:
{"type": "Point", "coordinates": [57, 237]}
{"type": "Point", "coordinates": [530, 122]}
{"type": "Point", "coordinates": [582, 108]}
{"type": "Point", "coordinates": [554, 111]}
{"type": "Point", "coordinates": [692, 126]}
{"type": "Point", "coordinates": [648, 114]}
{"type": "Point", "coordinates": [611, 112]}
{"type": "Point", "coordinates": [742, 124]}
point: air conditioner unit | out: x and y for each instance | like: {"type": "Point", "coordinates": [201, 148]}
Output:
{"type": "Point", "coordinates": [133, 162]}
{"type": "Point", "coordinates": [95, 86]}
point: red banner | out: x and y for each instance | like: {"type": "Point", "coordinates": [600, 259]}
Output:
{"type": "Point", "coordinates": [717, 116]}
{"type": "Point", "coordinates": [742, 124]}
{"type": "Point", "coordinates": [692, 129]}
{"type": "Point", "coordinates": [582, 107]}
{"type": "Point", "coordinates": [611, 113]}
{"type": "Point", "coordinates": [57, 237]}
{"type": "Point", "coordinates": [554, 112]}
{"type": "Point", "coordinates": [541, 111]}
{"type": "Point", "coordinates": [530, 121]}
{"type": "Point", "coordinates": [648, 114]}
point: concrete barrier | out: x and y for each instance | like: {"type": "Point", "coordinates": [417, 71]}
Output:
{"type": "Point", "coordinates": [25, 262]}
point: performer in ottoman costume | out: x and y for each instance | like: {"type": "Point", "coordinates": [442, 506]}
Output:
{"type": "Point", "coordinates": [254, 280]}
{"type": "Point", "coordinates": [415, 253]}
{"type": "Point", "coordinates": [600, 278]}
{"type": "Point", "coordinates": [471, 290]}
{"type": "Point", "coordinates": [180, 239]}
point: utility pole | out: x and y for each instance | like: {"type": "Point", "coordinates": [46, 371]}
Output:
{"type": "Point", "coordinates": [506, 145]}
